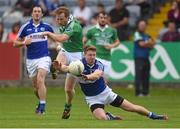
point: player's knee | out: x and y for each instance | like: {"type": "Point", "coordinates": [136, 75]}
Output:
{"type": "Point", "coordinates": [39, 82]}
{"type": "Point", "coordinates": [69, 91]}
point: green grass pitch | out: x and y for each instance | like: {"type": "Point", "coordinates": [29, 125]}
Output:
{"type": "Point", "coordinates": [17, 107]}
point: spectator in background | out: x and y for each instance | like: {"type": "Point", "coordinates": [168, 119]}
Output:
{"type": "Point", "coordinates": [143, 4]}
{"type": "Point", "coordinates": [48, 6]}
{"type": "Point", "coordinates": [172, 35]}
{"type": "Point", "coordinates": [44, 5]}
{"type": "Point", "coordinates": [119, 19]}
{"type": "Point", "coordinates": [82, 13]}
{"type": "Point", "coordinates": [143, 43]}
{"type": "Point", "coordinates": [13, 34]}
{"type": "Point", "coordinates": [25, 6]}
{"type": "Point", "coordinates": [54, 4]}
{"type": "Point", "coordinates": [100, 8]}
{"type": "Point", "coordinates": [174, 13]}
{"type": "Point", "coordinates": [3, 34]}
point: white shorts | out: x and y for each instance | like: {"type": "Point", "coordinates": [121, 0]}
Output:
{"type": "Point", "coordinates": [107, 66]}
{"type": "Point", "coordinates": [34, 64]}
{"type": "Point", "coordinates": [106, 97]}
{"type": "Point", "coordinates": [71, 56]}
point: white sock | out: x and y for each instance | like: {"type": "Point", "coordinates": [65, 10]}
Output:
{"type": "Point", "coordinates": [42, 102]}
{"type": "Point", "coordinates": [108, 118]}
{"type": "Point", "coordinates": [150, 114]}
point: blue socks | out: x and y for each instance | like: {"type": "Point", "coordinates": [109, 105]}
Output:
{"type": "Point", "coordinates": [156, 117]}
{"type": "Point", "coordinates": [41, 107]}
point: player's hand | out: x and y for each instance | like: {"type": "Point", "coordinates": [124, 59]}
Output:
{"type": "Point", "coordinates": [28, 41]}
{"type": "Point", "coordinates": [85, 77]}
{"type": "Point", "coordinates": [56, 65]}
{"type": "Point", "coordinates": [45, 33]}
{"type": "Point", "coordinates": [58, 48]}
{"type": "Point", "coordinates": [108, 46]}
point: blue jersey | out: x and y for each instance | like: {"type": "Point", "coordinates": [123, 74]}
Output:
{"type": "Point", "coordinates": [92, 88]}
{"type": "Point", "coordinates": [39, 46]}
{"type": "Point", "coordinates": [140, 52]}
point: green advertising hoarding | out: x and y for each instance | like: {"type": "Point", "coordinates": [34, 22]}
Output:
{"type": "Point", "coordinates": [165, 63]}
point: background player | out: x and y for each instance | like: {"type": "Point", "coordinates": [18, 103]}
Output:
{"type": "Point", "coordinates": [104, 38]}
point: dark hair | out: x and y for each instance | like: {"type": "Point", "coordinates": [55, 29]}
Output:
{"type": "Point", "coordinates": [140, 20]}
{"type": "Point", "coordinates": [2, 24]}
{"type": "Point", "coordinates": [64, 10]}
{"type": "Point", "coordinates": [178, 2]}
{"type": "Point", "coordinates": [89, 48]}
{"type": "Point", "coordinates": [1, 33]}
{"type": "Point", "coordinates": [103, 12]}
{"type": "Point", "coordinates": [100, 5]}
{"type": "Point", "coordinates": [18, 23]}
{"type": "Point", "coordinates": [38, 7]}
{"type": "Point", "coordinates": [119, 1]}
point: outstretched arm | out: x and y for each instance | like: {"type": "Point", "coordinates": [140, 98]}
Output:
{"type": "Point", "coordinates": [56, 37]}
{"type": "Point", "coordinates": [65, 68]}
{"type": "Point", "coordinates": [93, 76]}
{"type": "Point", "coordinates": [60, 67]}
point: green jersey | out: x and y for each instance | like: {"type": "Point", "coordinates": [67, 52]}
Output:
{"type": "Point", "coordinates": [74, 30]}
{"type": "Point", "coordinates": [99, 38]}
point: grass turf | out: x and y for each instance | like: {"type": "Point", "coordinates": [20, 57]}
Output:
{"type": "Point", "coordinates": [17, 107]}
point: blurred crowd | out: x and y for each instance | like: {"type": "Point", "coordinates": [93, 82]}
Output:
{"type": "Point", "coordinates": [123, 15]}
{"type": "Point", "coordinates": [171, 31]}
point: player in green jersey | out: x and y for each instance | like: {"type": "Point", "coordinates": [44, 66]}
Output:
{"type": "Point", "coordinates": [104, 38]}
{"type": "Point", "coordinates": [71, 39]}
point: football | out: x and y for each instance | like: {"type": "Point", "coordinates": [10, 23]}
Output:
{"type": "Point", "coordinates": [76, 67]}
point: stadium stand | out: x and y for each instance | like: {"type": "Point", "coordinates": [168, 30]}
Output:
{"type": "Point", "coordinates": [134, 12]}
{"type": "Point", "coordinates": [155, 18]}
{"type": "Point", "coordinates": [156, 22]}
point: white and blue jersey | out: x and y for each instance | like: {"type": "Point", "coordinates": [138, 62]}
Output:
{"type": "Point", "coordinates": [92, 88]}
{"type": "Point", "coordinates": [39, 46]}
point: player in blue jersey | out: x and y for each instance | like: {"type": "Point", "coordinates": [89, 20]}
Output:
{"type": "Point", "coordinates": [98, 94]}
{"type": "Point", "coordinates": [38, 61]}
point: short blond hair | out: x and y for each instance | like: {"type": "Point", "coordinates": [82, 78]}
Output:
{"type": "Point", "coordinates": [61, 10]}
